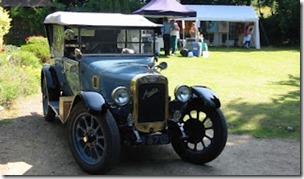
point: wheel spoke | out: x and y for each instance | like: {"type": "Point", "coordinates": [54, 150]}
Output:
{"type": "Point", "coordinates": [81, 128]}
{"type": "Point", "coordinates": [195, 147]}
{"type": "Point", "coordinates": [100, 146]}
{"type": "Point", "coordinates": [91, 152]}
{"type": "Point", "coordinates": [85, 122]}
{"type": "Point", "coordinates": [78, 138]}
{"type": "Point", "coordinates": [208, 137]}
{"type": "Point", "coordinates": [204, 146]}
{"type": "Point", "coordinates": [197, 115]}
{"type": "Point", "coordinates": [97, 128]}
{"type": "Point", "coordinates": [204, 120]}
{"type": "Point", "coordinates": [96, 152]}
{"type": "Point", "coordinates": [85, 147]}
{"type": "Point", "coordinates": [92, 121]}
{"type": "Point", "coordinates": [100, 137]}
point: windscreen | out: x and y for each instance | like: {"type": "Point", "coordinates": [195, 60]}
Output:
{"type": "Point", "coordinates": [112, 41]}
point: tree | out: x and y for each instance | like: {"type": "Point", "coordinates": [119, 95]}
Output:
{"type": "Point", "coordinates": [288, 14]}
{"type": "Point", "coordinates": [27, 21]}
{"type": "Point", "coordinates": [71, 4]}
{"type": "Point", "coordinates": [5, 21]}
{"type": "Point", "coordinates": [283, 26]}
{"type": "Point", "coordinates": [217, 2]}
{"type": "Point", "coordinates": [119, 6]}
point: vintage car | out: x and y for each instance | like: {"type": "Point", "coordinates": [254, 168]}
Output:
{"type": "Point", "coordinates": [104, 82]}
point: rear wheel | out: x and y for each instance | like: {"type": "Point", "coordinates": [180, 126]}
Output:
{"type": "Point", "coordinates": [206, 132]}
{"type": "Point", "coordinates": [48, 112]}
{"type": "Point", "coordinates": [94, 140]}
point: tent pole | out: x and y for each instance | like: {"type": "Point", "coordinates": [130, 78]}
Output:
{"type": "Point", "coordinates": [183, 27]}
{"type": "Point", "coordinates": [227, 38]}
{"type": "Point", "coordinates": [257, 35]}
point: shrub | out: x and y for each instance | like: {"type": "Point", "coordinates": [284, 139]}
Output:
{"type": "Point", "coordinates": [17, 81]}
{"type": "Point", "coordinates": [7, 51]}
{"type": "Point", "coordinates": [24, 58]}
{"type": "Point", "coordinates": [19, 74]}
{"type": "Point", "coordinates": [10, 48]}
{"type": "Point", "coordinates": [39, 46]}
{"type": "Point", "coordinates": [40, 51]}
{"type": "Point", "coordinates": [40, 40]}
{"type": "Point", "coordinates": [3, 59]}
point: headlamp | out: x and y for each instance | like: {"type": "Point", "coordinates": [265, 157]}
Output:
{"type": "Point", "coordinates": [182, 93]}
{"type": "Point", "coordinates": [121, 96]}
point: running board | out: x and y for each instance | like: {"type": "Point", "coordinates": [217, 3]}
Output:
{"type": "Point", "coordinates": [62, 107]}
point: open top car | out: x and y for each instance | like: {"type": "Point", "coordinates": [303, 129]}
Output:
{"type": "Point", "coordinates": [105, 84]}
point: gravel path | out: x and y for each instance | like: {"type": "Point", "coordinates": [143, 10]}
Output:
{"type": "Point", "coordinates": [31, 146]}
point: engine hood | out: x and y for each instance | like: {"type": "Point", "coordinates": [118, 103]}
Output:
{"type": "Point", "coordinates": [112, 72]}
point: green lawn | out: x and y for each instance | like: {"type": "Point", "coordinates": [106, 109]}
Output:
{"type": "Point", "coordinates": [259, 89]}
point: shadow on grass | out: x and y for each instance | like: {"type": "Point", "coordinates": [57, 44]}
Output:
{"type": "Point", "coordinates": [278, 119]}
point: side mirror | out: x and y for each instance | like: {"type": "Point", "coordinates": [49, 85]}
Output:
{"type": "Point", "coordinates": [162, 65]}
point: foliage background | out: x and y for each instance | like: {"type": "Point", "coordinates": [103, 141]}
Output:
{"type": "Point", "coordinates": [279, 19]}
{"type": "Point", "coordinates": [4, 24]}
{"type": "Point", "coordinates": [20, 69]}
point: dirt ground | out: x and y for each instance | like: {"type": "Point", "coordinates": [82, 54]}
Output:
{"type": "Point", "coordinates": [31, 146]}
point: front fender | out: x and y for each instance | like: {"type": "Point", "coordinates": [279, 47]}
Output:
{"type": "Point", "coordinates": [206, 95]}
{"type": "Point", "coordinates": [93, 101]}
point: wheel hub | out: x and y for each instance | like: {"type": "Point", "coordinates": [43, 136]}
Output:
{"type": "Point", "coordinates": [90, 137]}
{"type": "Point", "coordinates": [195, 130]}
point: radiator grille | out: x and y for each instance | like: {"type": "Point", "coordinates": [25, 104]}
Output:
{"type": "Point", "coordinates": [151, 103]}
{"type": "Point", "coordinates": [150, 97]}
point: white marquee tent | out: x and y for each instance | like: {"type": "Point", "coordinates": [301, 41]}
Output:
{"type": "Point", "coordinates": [227, 13]}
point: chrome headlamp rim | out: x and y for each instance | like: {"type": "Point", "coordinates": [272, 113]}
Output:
{"type": "Point", "coordinates": [181, 95]}
{"type": "Point", "coordinates": [119, 91]}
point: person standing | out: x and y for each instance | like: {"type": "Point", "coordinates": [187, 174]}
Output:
{"type": "Point", "coordinates": [247, 40]}
{"type": "Point", "coordinates": [193, 31]}
{"type": "Point", "coordinates": [166, 30]}
{"type": "Point", "coordinates": [174, 35]}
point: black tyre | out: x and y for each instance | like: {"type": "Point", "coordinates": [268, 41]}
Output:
{"type": "Point", "coordinates": [94, 140]}
{"type": "Point", "coordinates": [48, 112]}
{"type": "Point", "coordinates": [207, 134]}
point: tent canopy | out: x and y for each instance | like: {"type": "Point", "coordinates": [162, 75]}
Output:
{"type": "Point", "coordinates": [223, 13]}
{"type": "Point", "coordinates": [161, 8]}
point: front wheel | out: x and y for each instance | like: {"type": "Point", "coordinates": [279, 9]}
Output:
{"type": "Point", "coordinates": [206, 132]}
{"type": "Point", "coordinates": [94, 140]}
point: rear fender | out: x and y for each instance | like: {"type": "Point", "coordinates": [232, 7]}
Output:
{"type": "Point", "coordinates": [46, 73]}
{"type": "Point", "coordinates": [207, 96]}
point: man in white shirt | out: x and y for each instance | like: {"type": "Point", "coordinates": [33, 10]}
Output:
{"type": "Point", "coordinates": [174, 35]}
{"type": "Point", "coordinates": [247, 40]}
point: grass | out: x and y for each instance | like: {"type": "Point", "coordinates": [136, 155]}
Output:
{"type": "Point", "coordinates": [259, 89]}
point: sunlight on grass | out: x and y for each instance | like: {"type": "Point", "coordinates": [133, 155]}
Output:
{"type": "Point", "coordinates": [253, 86]}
